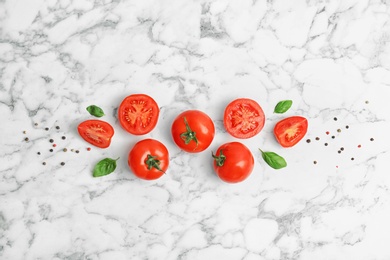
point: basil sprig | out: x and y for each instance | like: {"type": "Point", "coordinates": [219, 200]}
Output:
{"type": "Point", "coordinates": [95, 111]}
{"type": "Point", "coordinates": [104, 167]}
{"type": "Point", "coordinates": [274, 160]}
{"type": "Point", "coordinates": [283, 106]}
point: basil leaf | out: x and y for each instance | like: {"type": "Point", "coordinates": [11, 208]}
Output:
{"type": "Point", "coordinates": [104, 167]}
{"type": "Point", "coordinates": [283, 106]}
{"type": "Point", "coordinates": [95, 111]}
{"type": "Point", "coordinates": [274, 160]}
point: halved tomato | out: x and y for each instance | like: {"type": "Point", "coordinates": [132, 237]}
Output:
{"type": "Point", "coordinates": [290, 130]}
{"type": "Point", "coordinates": [96, 132]}
{"type": "Point", "coordinates": [138, 114]}
{"type": "Point", "coordinates": [243, 118]}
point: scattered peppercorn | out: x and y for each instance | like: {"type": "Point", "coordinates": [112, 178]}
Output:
{"type": "Point", "coordinates": [317, 138]}
{"type": "Point", "coordinates": [342, 148]}
{"type": "Point", "coordinates": [63, 138]}
{"type": "Point", "coordinates": [51, 140]}
{"type": "Point", "coordinates": [89, 149]}
{"type": "Point", "coordinates": [339, 130]}
{"type": "Point", "coordinates": [359, 145]}
{"type": "Point", "coordinates": [51, 150]}
{"type": "Point", "coordinates": [335, 118]}
{"type": "Point", "coordinates": [54, 145]}
{"type": "Point", "coordinates": [315, 162]}
{"type": "Point", "coordinates": [65, 150]}
{"type": "Point", "coordinates": [347, 126]}
{"type": "Point", "coordinates": [62, 163]}
{"type": "Point", "coordinates": [72, 150]}
{"type": "Point", "coordinates": [44, 163]}
{"type": "Point", "coordinates": [352, 159]}
{"type": "Point", "coordinates": [333, 137]}
{"type": "Point", "coordinates": [327, 132]}
{"type": "Point", "coordinates": [308, 141]}
{"type": "Point", "coordinates": [36, 124]}
{"type": "Point", "coordinates": [39, 153]}
{"type": "Point", "coordinates": [326, 144]}
{"type": "Point", "coordinates": [371, 139]}
{"type": "Point", "coordinates": [26, 139]}
{"type": "Point", "coordinates": [339, 151]}
{"type": "Point", "coordinates": [366, 101]}
{"type": "Point", "coordinates": [24, 132]}
{"type": "Point", "coordinates": [77, 151]}
{"type": "Point", "coordinates": [46, 128]}
{"type": "Point", "coordinates": [57, 127]}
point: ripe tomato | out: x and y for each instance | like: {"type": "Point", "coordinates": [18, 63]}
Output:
{"type": "Point", "coordinates": [96, 132]}
{"type": "Point", "coordinates": [233, 162]}
{"type": "Point", "coordinates": [149, 159]}
{"type": "Point", "coordinates": [138, 114]}
{"type": "Point", "coordinates": [290, 130]}
{"type": "Point", "coordinates": [243, 118]}
{"type": "Point", "coordinates": [193, 131]}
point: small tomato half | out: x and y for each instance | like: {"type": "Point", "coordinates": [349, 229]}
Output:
{"type": "Point", "coordinates": [243, 118]}
{"type": "Point", "coordinates": [138, 114]}
{"type": "Point", "coordinates": [148, 159]}
{"type": "Point", "coordinates": [233, 162]}
{"type": "Point", "coordinates": [193, 131]}
{"type": "Point", "coordinates": [96, 132]}
{"type": "Point", "coordinates": [289, 131]}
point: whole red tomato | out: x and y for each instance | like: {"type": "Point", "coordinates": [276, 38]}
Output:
{"type": "Point", "coordinates": [289, 131]}
{"type": "Point", "coordinates": [96, 132]}
{"type": "Point", "coordinates": [233, 162]}
{"type": "Point", "coordinates": [193, 131]}
{"type": "Point", "coordinates": [149, 159]}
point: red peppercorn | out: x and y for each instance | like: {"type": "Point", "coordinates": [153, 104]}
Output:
{"type": "Point", "coordinates": [54, 145]}
{"type": "Point", "coordinates": [89, 149]}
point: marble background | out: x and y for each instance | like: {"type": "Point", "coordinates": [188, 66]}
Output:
{"type": "Point", "coordinates": [332, 58]}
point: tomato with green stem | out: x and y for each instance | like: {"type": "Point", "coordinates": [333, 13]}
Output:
{"type": "Point", "coordinates": [138, 114]}
{"type": "Point", "coordinates": [233, 162]}
{"type": "Point", "coordinates": [96, 132]}
{"type": "Point", "coordinates": [148, 159]}
{"type": "Point", "coordinates": [243, 118]}
{"type": "Point", "coordinates": [193, 131]}
{"type": "Point", "coordinates": [289, 131]}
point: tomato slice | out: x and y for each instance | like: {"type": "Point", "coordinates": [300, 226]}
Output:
{"type": "Point", "coordinates": [138, 114]}
{"type": "Point", "coordinates": [291, 130]}
{"type": "Point", "coordinates": [96, 132]}
{"type": "Point", "coordinates": [243, 118]}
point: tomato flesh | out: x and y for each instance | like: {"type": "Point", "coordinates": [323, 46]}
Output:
{"type": "Point", "coordinates": [289, 131]}
{"type": "Point", "coordinates": [237, 165]}
{"type": "Point", "coordinates": [138, 114]}
{"type": "Point", "coordinates": [243, 118]}
{"type": "Point", "coordinates": [142, 152]}
{"type": "Point", "coordinates": [96, 132]}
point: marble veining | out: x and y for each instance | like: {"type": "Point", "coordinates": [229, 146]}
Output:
{"type": "Point", "coordinates": [332, 58]}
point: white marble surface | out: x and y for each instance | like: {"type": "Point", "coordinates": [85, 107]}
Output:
{"type": "Point", "coordinates": [329, 57]}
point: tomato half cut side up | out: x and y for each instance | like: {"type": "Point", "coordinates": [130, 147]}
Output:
{"type": "Point", "coordinates": [243, 118]}
{"type": "Point", "coordinates": [138, 114]}
{"type": "Point", "coordinates": [96, 132]}
{"type": "Point", "coordinates": [289, 131]}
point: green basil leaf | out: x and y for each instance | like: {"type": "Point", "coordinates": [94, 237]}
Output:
{"type": "Point", "coordinates": [95, 111]}
{"type": "Point", "coordinates": [104, 167]}
{"type": "Point", "coordinates": [274, 160]}
{"type": "Point", "coordinates": [283, 106]}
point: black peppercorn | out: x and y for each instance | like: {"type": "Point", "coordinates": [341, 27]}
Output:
{"type": "Point", "coordinates": [62, 163]}
{"type": "Point", "coordinates": [57, 127]}
{"type": "Point", "coordinates": [63, 138]}
{"type": "Point", "coordinates": [51, 150]}
{"type": "Point", "coordinates": [51, 140]}
{"type": "Point", "coordinates": [46, 128]}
